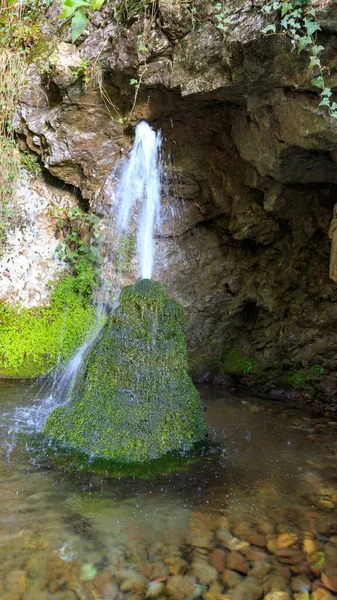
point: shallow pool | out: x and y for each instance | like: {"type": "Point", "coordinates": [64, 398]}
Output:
{"type": "Point", "coordinates": [259, 517]}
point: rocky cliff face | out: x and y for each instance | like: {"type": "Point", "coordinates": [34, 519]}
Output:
{"type": "Point", "coordinates": [251, 174]}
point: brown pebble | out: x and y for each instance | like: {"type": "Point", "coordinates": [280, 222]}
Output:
{"type": "Point", "coordinates": [180, 587]}
{"type": "Point", "coordinates": [289, 556]}
{"type": "Point", "coordinates": [214, 592]}
{"type": "Point", "coordinates": [322, 594]}
{"type": "Point", "coordinates": [277, 596]}
{"type": "Point", "coordinates": [218, 559]}
{"type": "Point", "coordinates": [285, 540]}
{"type": "Point", "coordinates": [274, 583]}
{"type": "Point", "coordinates": [256, 539]}
{"type": "Point", "coordinates": [329, 579]}
{"type": "Point", "coordinates": [300, 584]}
{"type": "Point", "coordinates": [236, 562]}
{"type": "Point", "coordinates": [231, 578]}
{"type": "Point", "coordinates": [204, 573]}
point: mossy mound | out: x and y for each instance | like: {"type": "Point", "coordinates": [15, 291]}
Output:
{"type": "Point", "coordinates": [133, 400]}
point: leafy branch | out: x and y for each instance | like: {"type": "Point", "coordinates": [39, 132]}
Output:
{"type": "Point", "coordinates": [298, 21]}
{"type": "Point", "coordinates": [77, 10]}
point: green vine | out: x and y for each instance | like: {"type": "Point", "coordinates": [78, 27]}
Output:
{"type": "Point", "coordinates": [221, 16]}
{"type": "Point", "coordinates": [298, 21]}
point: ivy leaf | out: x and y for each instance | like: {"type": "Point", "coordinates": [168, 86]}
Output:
{"type": "Point", "coordinates": [269, 29]}
{"type": "Point", "coordinates": [327, 92]}
{"type": "Point", "coordinates": [311, 26]}
{"type": "Point", "coordinates": [317, 49]}
{"type": "Point", "coordinates": [133, 81]}
{"type": "Point", "coordinates": [303, 43]}
{"type": "Point", "coordinates": [96, 4]}
{"type": "Point", "coordinates": [324, 102]}
{"type": "Point", "coordinates": [318, 82]}
{"type": "Point", "coordinates": [286, 7]}
{"type": "Point", "coordinates": [314, 61]}
{"type": "Point", "coordinates": [78, 24]}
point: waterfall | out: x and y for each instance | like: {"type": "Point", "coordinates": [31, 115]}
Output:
{"type": "Point", "coordinates": [137, 199]}
{"type": "Point", "coordinates": [139, 193]}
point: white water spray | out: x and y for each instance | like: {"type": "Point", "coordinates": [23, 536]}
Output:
{"type": "Point", "coordinates": [140, 187]}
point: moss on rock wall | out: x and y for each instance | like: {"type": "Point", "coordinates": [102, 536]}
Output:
{"type": "Point", "coordinates": [34, 340]}
{"type": "Point", "coordinates": [133, 400]}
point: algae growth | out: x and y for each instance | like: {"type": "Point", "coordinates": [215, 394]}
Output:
{"type": "Point", "coordinates": [133, 400]}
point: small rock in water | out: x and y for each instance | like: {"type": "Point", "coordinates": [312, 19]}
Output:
{"type": "Point", "coordinates": [135, 582]}
{"type": "Point", "coordinates": [204, 572]}
{"type": "Point", "coordinates": [310, 545]}
{"type": "Point", "coordinates": [277, 596]}
{"type": "Point", "coordinates": [218, 559]}
{"type": "Point", "coordinates": [322, 594]}
{"type": "Point", "coordinates": [88, 572]}
{"type": "Point", "coordinates": [214, 592]}
{"type": "Point", "coordinates": [154, 589]}
{"type": "Point", "coordinates": [290, 556]}
{"type": "Point", "coordinates": [300, 584]}
{"type": "Point", "coordinates": [236, 562]}
{"type": "Point", "coordinates": [285, 540]}
{"type": "Point", "coordinates": [260, 569]}
{"type": "Point", "coordinates": [302, 596]}
{"type": "Point", "coordinates": [181, 587]}
{"type": "Point", "coordinates": [274, 584]}
{"type": "Point", "coordinates": [329, 579]}
{"type": "Point", "coordinates": [231, 578]}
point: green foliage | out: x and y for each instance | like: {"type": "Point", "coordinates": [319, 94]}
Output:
{"type": "Point", "coordinates": [81, 237]}
{"type": "Point", "coordinates": [133, 400]}
{"type": "Point", "coordinates": [77, 11]}
{"type": "Point", "coordinates": [18, 23]}
{"type": "Point", "coordinates": [33, 340]}
{"type": "Point", "coordinates": [30, 162]}
{"type": "Point", "coordinates": [83, 70]}
{"type": "Point", "coordinates": [298, 21]}
{"type": "Point", "coordinates": [222, 16]}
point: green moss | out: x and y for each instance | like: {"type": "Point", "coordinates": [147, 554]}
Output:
{"type": "Point", "coordinates": [124, 252]}
{"type": "Point", "coordinates": [32, 341]}
{"type": "Point", "coordinates": [233, 361]}
{"type": "Point", "coordinates": [133, 400]}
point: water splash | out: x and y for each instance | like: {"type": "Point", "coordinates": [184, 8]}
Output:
{"type": "Point", "coordinates": [140, 190]}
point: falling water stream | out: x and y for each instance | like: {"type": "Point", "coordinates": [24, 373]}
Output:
{"type": "Point", "coordinates": [140, 189]}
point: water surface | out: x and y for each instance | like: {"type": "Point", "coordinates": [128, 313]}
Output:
{"type": "Point", "coordinates": [67, 534]}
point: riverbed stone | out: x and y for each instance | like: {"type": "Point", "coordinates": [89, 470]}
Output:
{"type": "Point", "coordinates": [236, 562]}
{"type": "Point", "coordinates": [329, 579]}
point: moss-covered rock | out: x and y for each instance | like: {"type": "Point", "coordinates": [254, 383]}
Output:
{"type": "Point", "coordinates": [133, 400]}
